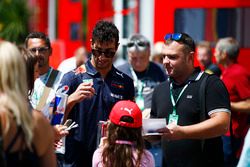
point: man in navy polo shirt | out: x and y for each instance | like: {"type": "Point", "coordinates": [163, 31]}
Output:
{"type": "Point", "coordinates": [93, 90]}
{"type": "Point", "coordinates": [189, 139]}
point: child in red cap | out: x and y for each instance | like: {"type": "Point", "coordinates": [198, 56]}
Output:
{"type": "Point", "coordinates": [124, 146]}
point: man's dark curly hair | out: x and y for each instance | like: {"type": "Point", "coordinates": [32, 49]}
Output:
{"type": "Point", "coordinates": [105, 31]}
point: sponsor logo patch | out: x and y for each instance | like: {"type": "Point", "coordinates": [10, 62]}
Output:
{"type": "Point", "coordinates": [116, 96]}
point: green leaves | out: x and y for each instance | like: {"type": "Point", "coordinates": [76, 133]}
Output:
{"type": "Point", "coordinates": [14, 19]}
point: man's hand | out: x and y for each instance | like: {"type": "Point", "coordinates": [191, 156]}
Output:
{"type": "Point", "coordinates": [83, 91]}
{"type": "Point", "coordinates": [172, 132]}
{"type": "Point", "coordinates": [60, 132]}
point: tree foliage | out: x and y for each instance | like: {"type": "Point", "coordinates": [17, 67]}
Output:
{"type": "Point", "coordinates": [14, 19]}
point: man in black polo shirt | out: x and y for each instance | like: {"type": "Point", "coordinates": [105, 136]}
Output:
{"type": "Point", "coordinates": [187, 140]}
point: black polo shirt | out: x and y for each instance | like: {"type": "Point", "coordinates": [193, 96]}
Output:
{"type": "Point", "coordinates": [188, 152]}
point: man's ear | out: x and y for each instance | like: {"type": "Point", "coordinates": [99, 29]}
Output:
{"type": "Point", "coordinates": [223, 55]}
{"type": "Point", "coordinates": [191, 56]}
{"type": "Point", "coordinates": [91, 43]}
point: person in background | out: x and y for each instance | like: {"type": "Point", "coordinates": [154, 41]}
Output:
{"type": "Point", "coordinates": [32, 72]}
{"type": "Point", "coordinates": [204, 56]}
{"type": "Point", "coordinates": [43, 94]}
{"type": "Point", "coordinates": [189, 139]}
{"type": "Point", "coordinates": [245, 155]}
{"type": "Point", "coordinates": [146, 74]}
{"type": "Point", "coordinates": [80, 57]}
{"type": "Point", "coordinates": [94, 88]}
{"type": "Point", "coordinates": [237, 80]}
{"type": "Point", "coordinates": [23, 130]}
{"type": "Point", "coordinates": [157, 56]}
{"type": "Point", "coordinates": [124, 145]}
{"type": "Point", "coordinates": [39, 45]}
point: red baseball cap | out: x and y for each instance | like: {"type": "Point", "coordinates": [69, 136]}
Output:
{"type": "Point", "coordinates": [126, 108]}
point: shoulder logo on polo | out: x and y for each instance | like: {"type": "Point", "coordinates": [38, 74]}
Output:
{"type": "Point", "coordinates": [81, 69]}
{"type": "Point", "coordinates": [120, 74]}
{"type": "Point", "coordinates": [189, 96]}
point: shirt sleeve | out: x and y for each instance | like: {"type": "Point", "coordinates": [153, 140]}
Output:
{"type": "Point", "coordinates": [97, 158]}
{"type": "Point", "coordinates": [147, 159]}
{"type": "Point", "coordinates": [217, 97]}
{"type": "Point", "coordinates": [68, 80]}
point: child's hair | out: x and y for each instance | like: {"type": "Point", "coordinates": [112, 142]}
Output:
{"type": "Point", "coordinates": [124, 136]}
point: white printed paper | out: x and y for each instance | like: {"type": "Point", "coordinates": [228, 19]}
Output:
{"type": "Point", "coordinates": [150, 126]}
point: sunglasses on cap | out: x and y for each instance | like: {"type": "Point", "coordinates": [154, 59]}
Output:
{"type": "Point", "coordinates": [179, 37]}
{"type": "Point", "coordinates": [40, 50]}
{"type": "Point", "coordinates": [106, 53]}
{"type": "Point", "coordinates": [137, 45]}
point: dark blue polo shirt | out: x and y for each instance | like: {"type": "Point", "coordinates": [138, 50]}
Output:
{"type": "Point", "coordinates": [81, 143]}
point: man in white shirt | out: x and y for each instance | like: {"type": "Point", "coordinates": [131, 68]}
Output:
{"type": "Point", "coordinates": [79, 58]}
{"type": "Point", "coordinates": [39, 44]}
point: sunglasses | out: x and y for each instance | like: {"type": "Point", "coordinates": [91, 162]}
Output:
{"type": "Point", "coordinates": [137, 45]}
{"type": "Point", "coordinates": [106, 53]}
{"type": "Point", "coordinates": [174, 36]}
{"type": "Point", "coordinates": [40, 50]}
{"type": "Point", "coordinates": [181, 38]}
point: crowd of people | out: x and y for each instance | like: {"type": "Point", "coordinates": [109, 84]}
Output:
{"type": "Point", "coordinates": [206, 109]}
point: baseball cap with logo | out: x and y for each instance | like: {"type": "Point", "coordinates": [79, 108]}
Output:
{"type": "Point", "coordinates": [126, 108]}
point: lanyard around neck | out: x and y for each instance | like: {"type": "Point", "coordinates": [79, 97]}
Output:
{"type": "Point", "coordinates": [133, 74]}
{"type": "Point", "coordinates": [174, 103]}
{"type": "Point", "coordinates": [172, 97]}
{"type": "Point", "coordinates": [46, 78]}
{"type": "Point", "coordinates": [138, 83]}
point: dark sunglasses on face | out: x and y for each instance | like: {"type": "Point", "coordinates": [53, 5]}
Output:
{"type": "Point", "coordinates": [40, 50]}
{"type": "Point", "coordinates": [137, 45]}
{"type": "Point", "coordinates": [106, 53]}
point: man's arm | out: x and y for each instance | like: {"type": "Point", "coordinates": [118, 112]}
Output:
{"type": "Point", "coordinates": [216, 125]}
{"type": "Point", "coordinates": [241, 106]}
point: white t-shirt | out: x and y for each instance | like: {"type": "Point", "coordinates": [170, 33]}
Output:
{"type": "Point", "coordinates": [67, 65]}
{"type": "Point", "coordinates": [38, 91]}
{"type": "Point", "coordinates": [146, 161]}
